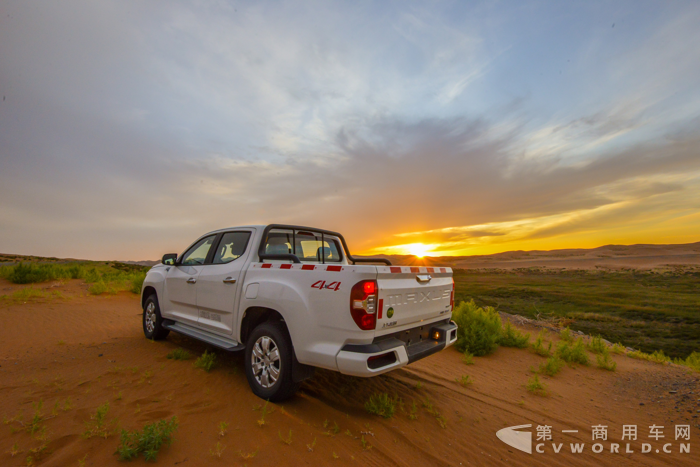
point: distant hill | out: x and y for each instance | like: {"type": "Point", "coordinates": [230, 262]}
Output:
{"type": "Point", "coordinates": [641, 256]}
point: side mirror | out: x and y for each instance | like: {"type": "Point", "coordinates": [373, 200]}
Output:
{"type": "Point", "coordinates": [169, 259]}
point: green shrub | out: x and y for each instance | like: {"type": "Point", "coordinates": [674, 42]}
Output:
{"type": "Point", "coordinates": [538, 346]}
{"type": "Point", "coordinates": [535, 386]}
{"type": "Point", "coordinates": [381, 404]}
{"type": "Point", "coordinates": [573, 353]}
{"type": "Point", "coordinates": [179, 354]}
{"type": "Point", "coordinates": [618, 349]}
{"type": "Point", "coordinates": [137, 283]}
{"type": "Point", "coordinates": [552, 366]}
{"type": "Point", "coordinates": [206, 362]}
{"type": "Point", "coordinates": [693, 361]}
{"type": "Point", "coordinates": [479, 328]}
{"type": "Point", "coordinates": [596, 345]}
{"type": "Point", "coordinates": [511, 337]}
{"type": "Point", "coordinates": [565, 335]}
{"type": "Point", "coordinates": [606, 362]}
{"type": "Point", "coordinates": [148, 441]}
{"type": "Point", "coordinates": [659, 357]}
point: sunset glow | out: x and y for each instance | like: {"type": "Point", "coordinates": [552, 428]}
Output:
{"type": "Point", "coordinates": [444, 128]}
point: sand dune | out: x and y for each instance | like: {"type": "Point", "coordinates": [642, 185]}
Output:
{"type": "Point", "coordinates": [91, 350]}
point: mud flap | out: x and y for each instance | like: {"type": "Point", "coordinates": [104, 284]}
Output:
{"type": "Point", "coordinates": [301, 372]}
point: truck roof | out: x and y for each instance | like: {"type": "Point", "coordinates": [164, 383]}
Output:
{"type": "Point", "coordinates": [263, 226]}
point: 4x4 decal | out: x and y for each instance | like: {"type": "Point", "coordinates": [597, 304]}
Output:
{"type": "Point", "coordinates": [322, 285]}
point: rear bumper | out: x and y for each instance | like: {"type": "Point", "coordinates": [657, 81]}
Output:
{"type": "Point", "coordinates": [389, 353]}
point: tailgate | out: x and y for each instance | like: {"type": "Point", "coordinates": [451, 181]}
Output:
{"type": "Point", "coordinates": [409, 295]}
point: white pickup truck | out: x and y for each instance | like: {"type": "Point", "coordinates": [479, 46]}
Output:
{"type": "Point", "coordinates": [295, 299]}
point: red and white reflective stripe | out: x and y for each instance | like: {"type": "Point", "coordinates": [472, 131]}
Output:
{"type": "Point", "coordinates": [417, 270]}
{"type": "Point", "coordinates": [303, 267]}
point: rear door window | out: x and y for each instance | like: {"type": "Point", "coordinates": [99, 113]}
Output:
{"type": "Point", "coordinates": [231, 247]}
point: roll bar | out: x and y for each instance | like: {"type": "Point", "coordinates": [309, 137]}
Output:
{"type": "Point", "coordinates": [291, 257]}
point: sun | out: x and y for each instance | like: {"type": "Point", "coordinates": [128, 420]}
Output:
{"type": "Point", "coordinates": [418, 249]}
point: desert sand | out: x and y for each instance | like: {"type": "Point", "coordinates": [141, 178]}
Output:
{"type": "Point", "coordinates": [89, 350]}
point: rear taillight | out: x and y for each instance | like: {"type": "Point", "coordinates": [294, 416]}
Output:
{"type": "Point", "coordinates": [452, 296]}
{"type": "Point", "coordinates": [363, 304]}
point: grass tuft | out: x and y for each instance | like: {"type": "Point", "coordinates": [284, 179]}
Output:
{"type": "Point", "coordinates": [381, 404]}
{"type": "Point", "coordinates": [606, 362]}
{"type": "Point", "coordinates": [206, 362]}
{"type": "Point", "coordinates": [467, 358]}
{"type": "Point", "coordinates": [618, 349]}
{"type": "Point", "coordinates": [538, 346]}
{"type": "Point", "coordinates": [552, 366]}
{"type": "Point", "coordinates": [596, 345]}
{"type": "Point", "coordinates": [535, 386]}
{"type": "Point", "coordinates": [565, 335]}
{"type": "Point", "coordinates": [465, 380]}
{"type": "Point", "coordinates": [573, 353]}
{"type": "Point", "coordinates": [511, 337]}
{"type": "Point", "coordinates": [148, 441]}
{"type": "Point", "coordinates": [179, 354]}
{"type": "Point", "coordinates": [97, 426]}
{"type": "Point", "coordinates": [287, 440]}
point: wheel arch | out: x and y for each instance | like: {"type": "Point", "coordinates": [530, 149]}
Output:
{"type": "Point", "coordinates": [256, 315]}
{"type": "Point", "coordinates": [147, 292]}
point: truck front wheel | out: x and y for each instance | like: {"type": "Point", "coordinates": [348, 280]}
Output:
{"type": "Point", "coordinates": [152, 320]}
{"type": "Point", "coordinates": [268, 362]}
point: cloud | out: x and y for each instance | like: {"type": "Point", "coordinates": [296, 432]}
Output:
{"type": "Point", "coordinates": [128, 129]}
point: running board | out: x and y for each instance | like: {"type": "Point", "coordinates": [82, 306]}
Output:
{"type": "Point", "coordinates": [204, 336]}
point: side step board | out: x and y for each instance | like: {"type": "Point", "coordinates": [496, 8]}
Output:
{"type": "Point", "coordinates": [204, 336]}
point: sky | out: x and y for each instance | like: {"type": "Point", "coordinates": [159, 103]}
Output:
{"type": "Point", "coordinates": [130, 128]}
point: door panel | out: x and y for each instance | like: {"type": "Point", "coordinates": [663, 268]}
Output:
{"type": "Point", "coordinates": [181, 296]}
{"type": "Point", "coordinates": [219, 284]}
{"type": "Point", "coordinates": [180, 301]}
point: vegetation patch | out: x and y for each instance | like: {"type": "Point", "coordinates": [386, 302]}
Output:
{"type": "Point", "coordinates": [465, 380]}
{"type": "Point", "coordinates": [596, 345]}
{"type": "Point", "coordinates": [535, 386]}
{"type": "Point", "coordinates": [573, 353]}
{"type": "Point", "coordinates": [552, 366]}
{"type": "Point", "coordinates": [511, 337]}
{"type": "Point", "coordinates": [539, 347]}
{"type": "Point", "coordinates": [381, 404]}
{"type": "Point", "coordinates": [207, 361]}
{"type": "Point", "coordinates": [179, 354]}
{"type": "Point", "coordinates": [606, 362]}
{"type": "Point", "coordinates": [147, 441]}
{"type": "Point", "coordinates": [479, 328]}
{"type": "Point", "coordinates": [102, 277]}
{"type": "Point", "coordinates": [646, 310]}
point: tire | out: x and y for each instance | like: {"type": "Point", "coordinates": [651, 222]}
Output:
{"type": "Point", "coordinates": [152, 320]}
{"type": "Point", "coordinates": [262, 362]}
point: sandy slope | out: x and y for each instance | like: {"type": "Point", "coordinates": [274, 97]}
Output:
{"type": "Point", "coordinates": [104, 355]}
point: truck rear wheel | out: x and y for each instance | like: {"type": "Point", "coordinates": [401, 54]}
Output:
{"type": "Point", "coordinates": [152, 320]}
{"type": "Point", "coordinates": [268, 362]}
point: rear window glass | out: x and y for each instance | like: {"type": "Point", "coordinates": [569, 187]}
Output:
{"type": "Point", "coordinates": [308, 246]}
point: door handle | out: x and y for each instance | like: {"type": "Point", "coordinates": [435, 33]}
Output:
{"type": "Point", "coordinates": [191, 280]}
{"type": "Point", "coordinates": [229, 280]}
